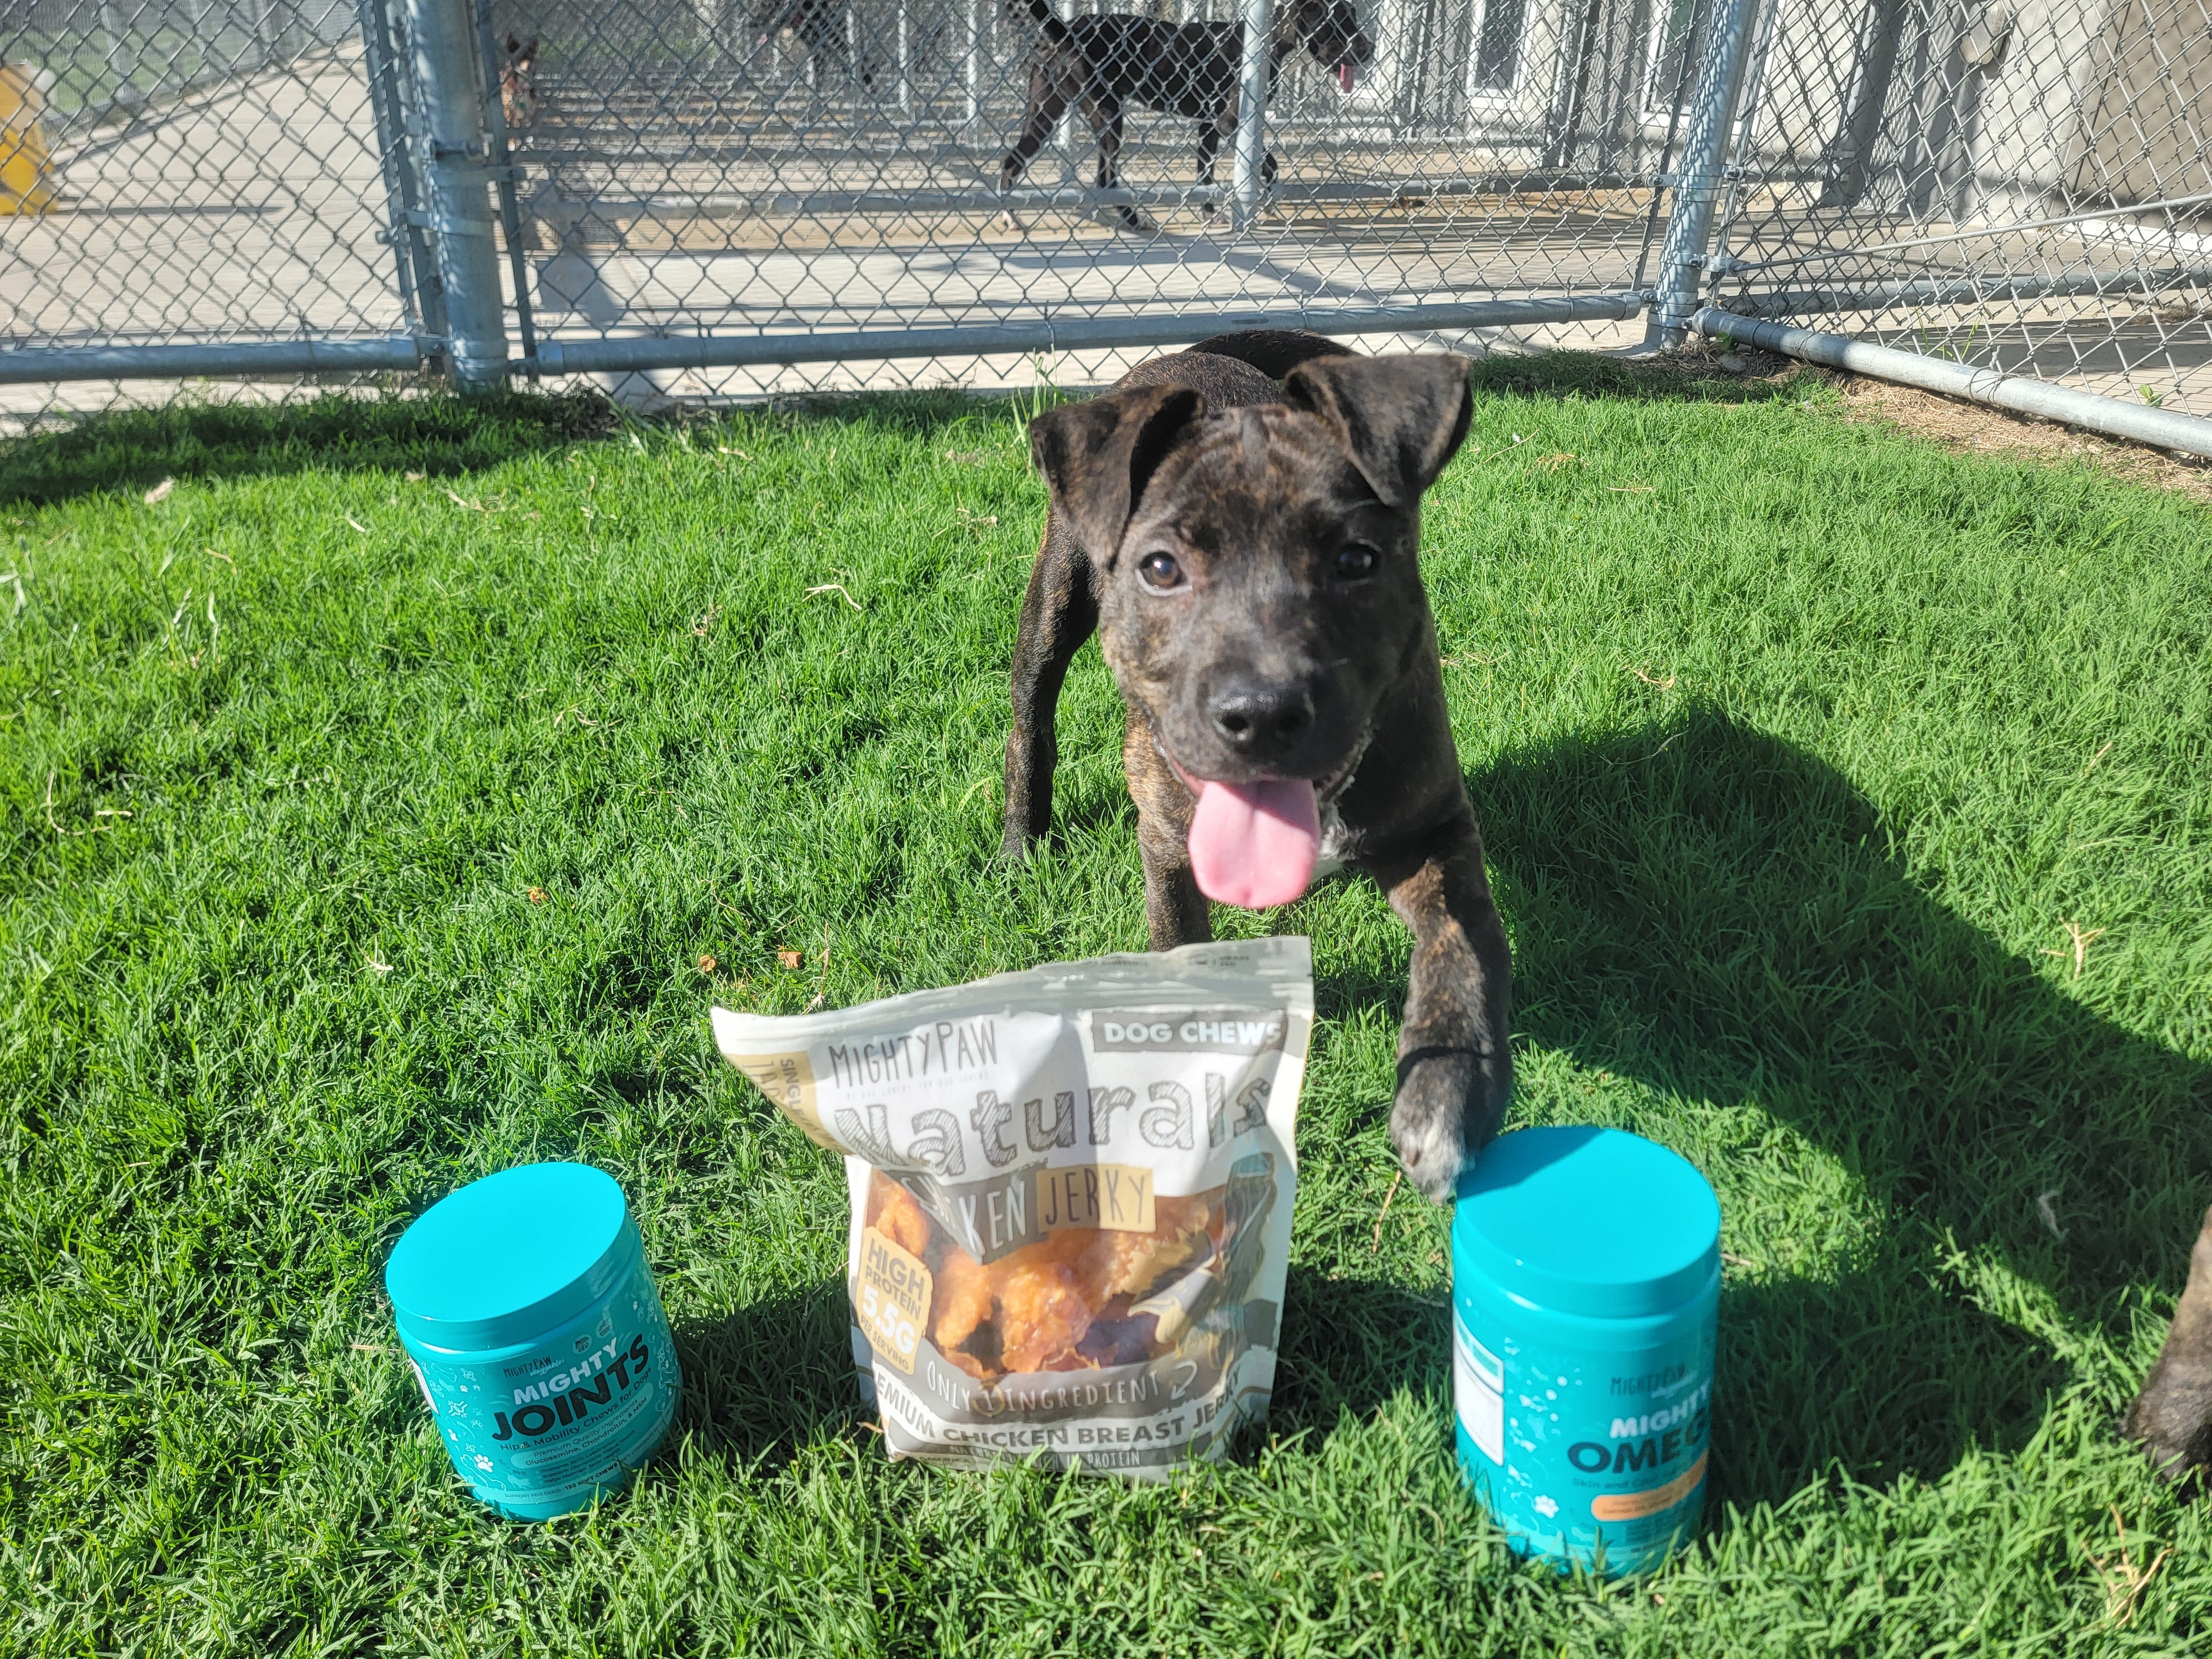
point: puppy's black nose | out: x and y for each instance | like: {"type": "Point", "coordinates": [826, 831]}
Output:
{"type": "Point", "coordinates": [1261, 719]}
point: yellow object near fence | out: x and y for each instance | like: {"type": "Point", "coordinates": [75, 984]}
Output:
{"type": "Point", "coordinates": [26, 175]}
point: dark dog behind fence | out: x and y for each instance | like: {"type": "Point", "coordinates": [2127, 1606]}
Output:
{"type": "Point", "coordinates": [1105, 61]}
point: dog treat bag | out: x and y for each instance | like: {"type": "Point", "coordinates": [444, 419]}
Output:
{"type": "Point", "coordinates": [1071, 1197]}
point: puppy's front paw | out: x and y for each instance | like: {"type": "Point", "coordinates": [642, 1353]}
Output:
{"type": "Point", "coordinates": [2172, 1419]}
{"type": "Point", "coordinates": [1449, 1102]}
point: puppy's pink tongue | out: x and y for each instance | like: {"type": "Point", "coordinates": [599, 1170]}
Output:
{"type": "Point", "coordinates": [1254, 844]}
{"type": "Point", "coordinates": [1346, 76]}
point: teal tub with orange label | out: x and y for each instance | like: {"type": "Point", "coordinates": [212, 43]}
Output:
{"type": "Point", "coordinates": [1586, 1280]}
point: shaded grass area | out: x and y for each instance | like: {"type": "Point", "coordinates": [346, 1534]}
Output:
{"type": "Point", "coordinates": [363, 833]}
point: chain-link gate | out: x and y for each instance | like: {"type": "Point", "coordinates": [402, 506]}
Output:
{"type": "Point", "coordinates": [716, 198]}
{"type": "Point", "coordinates": [201, 176]}
{"type": "Point", "coordinates": [2020, 187]}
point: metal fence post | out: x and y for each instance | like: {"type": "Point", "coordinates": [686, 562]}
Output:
{"type": "Point", "coordinates": [440, 39]}
{"type": "Point", "coordinates": [1255, 70]}
{"type": "Point", "coordinates": [974, 51]}
{"type": "Point", "coordinates": [122, 60]}
{"type": "Point", "coordinates": [905, 81]}
{"type": "Point", "coordinates": [421, 300]}
{"type": "Point", "coordinates": [1704, 164]}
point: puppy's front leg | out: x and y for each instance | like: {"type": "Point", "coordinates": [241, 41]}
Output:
{"type": "Point", "coordinates": [2172, 1417]}
{"type": "Point", "coordinates": [1175, 912]}
{"type": "Point", "coordinates": [1059, 611]}
{"type": "Point", "coordinates": [1454, 1060]}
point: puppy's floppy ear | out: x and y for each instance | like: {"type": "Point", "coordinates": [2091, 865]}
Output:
{"type": "Point", "coordinates": [1402, 417]}
{"type": "Point", "coordinates": [1098, 456]}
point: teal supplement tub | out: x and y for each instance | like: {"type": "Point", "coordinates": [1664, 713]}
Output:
{"type": "Point", "coordinates": [525, 1306]}
{"type": "Point", "coordinates": [1586, 1279]}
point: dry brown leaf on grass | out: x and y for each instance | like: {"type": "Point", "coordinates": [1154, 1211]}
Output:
{"type": "Point", "coordinates": [1384, 1214]}
{"type": "Point", "coordinates": [2124, 1582]}
{"type": "Point", "coordinates": [792, 958]}
{"type": "Point", "coordinates": [707, 964]}
{"type": "Point", "coordinates": [2083, 938]}
{"type": "Point", "coordinates": [537, 896]}
{"type": "Point", "coordinates": [1554, 461]}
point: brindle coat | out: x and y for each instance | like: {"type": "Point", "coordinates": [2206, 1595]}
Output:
{"type": "Point", "coordinates": [1293, 513]}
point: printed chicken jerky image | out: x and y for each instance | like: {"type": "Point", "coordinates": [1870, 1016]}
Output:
{"type": "Point", "coordinates": [1083, 1298]}
{"type": "Point", "coordinates": [1071, 1193]}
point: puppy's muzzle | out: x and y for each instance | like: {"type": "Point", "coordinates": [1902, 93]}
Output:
{"type": "Point", "coordinates": [1261, 721]}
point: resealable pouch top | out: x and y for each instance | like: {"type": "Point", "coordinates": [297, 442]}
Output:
{"type": "Point", "coordinates": [1071, 1194]}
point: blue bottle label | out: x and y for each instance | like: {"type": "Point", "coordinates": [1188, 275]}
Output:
{"type": "Point", "coordinates": [1598, 1459]}
{"type": "Point", "coordinates": [539, 1431]}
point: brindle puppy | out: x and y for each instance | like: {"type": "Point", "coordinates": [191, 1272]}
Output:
{"type": "Point", "coordinates": [1247, 553]}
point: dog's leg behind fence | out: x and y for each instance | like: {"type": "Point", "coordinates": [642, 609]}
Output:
{"type": "Point", "coordinates": [440, 40]}
{"type": "Point", "coordinates": [1704, 163]}
{"type": "Point", "coordinates": [501, 155]}
{"type": "Point", "coordinates": [1255, 69]}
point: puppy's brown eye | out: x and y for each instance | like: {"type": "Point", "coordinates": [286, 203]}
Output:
{"type": "Point", "coordinates": [1355, 563]}
{"type": "Point", "coordinates": [1160, 570]}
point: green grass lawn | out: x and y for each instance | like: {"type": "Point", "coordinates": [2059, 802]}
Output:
{"type": "Point", "coordinates": [369, 802]}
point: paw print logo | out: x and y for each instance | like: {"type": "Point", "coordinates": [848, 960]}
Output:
{"type": "Point", "coordinates": [483, 1463]}
{"type": "Point", "coordinates": [1546, 1508]}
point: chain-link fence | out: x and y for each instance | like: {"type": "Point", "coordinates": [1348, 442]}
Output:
{"type": "Point", "coordinates": [2027, 187]}
{"type": "Point", "coordinates": [718, 198]}
{"type": "Point", "coordinates": [106, 58]}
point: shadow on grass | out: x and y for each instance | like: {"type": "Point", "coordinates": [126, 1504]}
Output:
{"type": "Point", "coordinates": [765, 1376]}
{"type": "Point", "coordinates": [1713, 910]}
{"type": "Point", "coordinates": [435, 433]}
{"type": "Point", "coordinates": [1693, 375]}
{"type": "Point", "coordinates": [1349, 1345]}
{"type": "Point", "coordinates": [135, 449]}
{"type": "Point", "coordinates": [444, 437]}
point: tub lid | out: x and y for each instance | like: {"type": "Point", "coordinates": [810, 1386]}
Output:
{"type": "Point", "coordinates": [508, 1258]}
{"type": "Point", "coordinates": [1588, 1221]}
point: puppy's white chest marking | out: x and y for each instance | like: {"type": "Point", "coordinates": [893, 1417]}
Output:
{"type": "Point", "coordinates": [1334, 840]}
